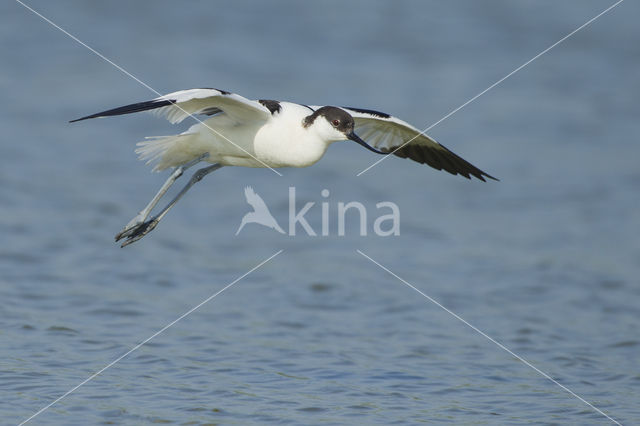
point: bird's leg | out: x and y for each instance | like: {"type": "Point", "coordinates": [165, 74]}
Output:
{"type": "Point", "coordinates": [144, 228]}
{"type": "Point", "coordinates": [144, 213]}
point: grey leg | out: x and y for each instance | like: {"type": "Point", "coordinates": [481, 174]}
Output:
{"type": "Point", "coordinates": [144, 213]}
{"type": "Point", "coordinates": [144, 228]}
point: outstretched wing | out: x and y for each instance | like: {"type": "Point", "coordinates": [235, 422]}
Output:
{"type": "Point", "coordinates": [179, 105]}
{"type": "Point", "coordinates": [387, 133]}
{"type": "Point", "coordinates": [255, 200]}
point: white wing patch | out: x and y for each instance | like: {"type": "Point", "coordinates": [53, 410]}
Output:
{"type": "Point", "coordinates": [208, 101]}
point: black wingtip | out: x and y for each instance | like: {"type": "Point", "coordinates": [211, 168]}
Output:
{"type": "Point", "coordinates": [84, 118]}
{"type": "Point", "coordinates": [128, 109]}
{"type": "Point", "coordinates": [485, 175]}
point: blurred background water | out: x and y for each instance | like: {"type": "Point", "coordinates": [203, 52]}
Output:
{"type": "Point", "coordinates": [545, 261]}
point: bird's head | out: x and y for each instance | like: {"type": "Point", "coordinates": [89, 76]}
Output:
{"type": "Point", "coordinates": [334, 124]}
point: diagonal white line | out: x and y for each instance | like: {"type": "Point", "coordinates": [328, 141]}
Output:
{"type": "Point", "coordinates": [163, 329]}
{"type": "Point", "coordinates": [500, 345]}
{"type": "Point", "coordinates": [127, 73]}
{"type": "Point", "coordinates": [496, 83]}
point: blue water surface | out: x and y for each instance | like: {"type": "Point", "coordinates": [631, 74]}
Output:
{"type": "Point", "coordinates": [545, 262]}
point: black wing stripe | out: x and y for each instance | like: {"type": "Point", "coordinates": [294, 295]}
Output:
{"type": "Point", "coordinates": [469, 168]}
{"type": "Point", "coordinates": [450, 164]}
{"type": "Point", "coordinates": [442, 159]}
{"type": "Point", "coordinates": [465, 168]}
{"type": "Point", "coordinates": [420, 155]}
{"type": "Point", "coordinates": [370, 112]}
{"type": "Point", "coordinates": [424, 156]}
{"type": "Point", "coordinates": [128, 109]}
{"type": "Point", "coordinates": [431, 159]}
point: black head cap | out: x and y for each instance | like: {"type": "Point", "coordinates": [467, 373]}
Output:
{"type": "Point", "coordinates": [342, 121]}
{"type": "Point", "coordinates": [337, 117]}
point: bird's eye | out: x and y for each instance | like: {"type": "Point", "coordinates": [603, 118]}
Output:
{"type": "Point", "coordinates": [335, 123]}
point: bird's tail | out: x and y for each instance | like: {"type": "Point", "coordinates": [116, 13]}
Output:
{"type": "Point", "coordinates": [166, 151]}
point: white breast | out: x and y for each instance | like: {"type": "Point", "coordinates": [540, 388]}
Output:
{"type": "Point", "coordinates": [284, 142]}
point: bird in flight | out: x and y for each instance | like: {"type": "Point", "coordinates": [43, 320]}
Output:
{"type": "Point", "coordinates": [236, 131]}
